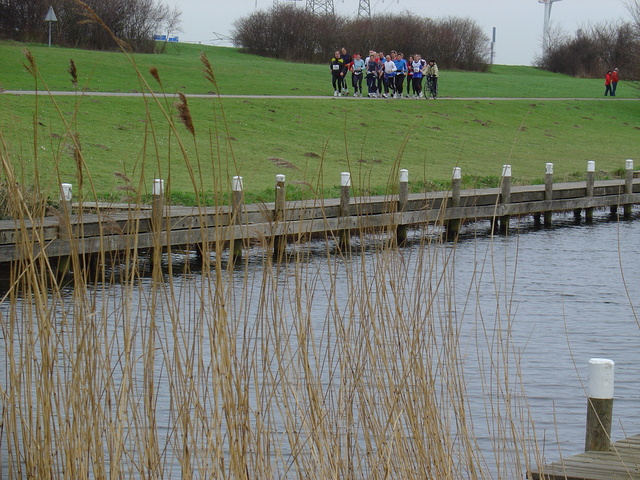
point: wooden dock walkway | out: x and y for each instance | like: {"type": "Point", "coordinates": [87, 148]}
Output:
{"type": "Point", "coordinates": [622, 461]}
{"type": "Point", "coordinates": [93, 229]}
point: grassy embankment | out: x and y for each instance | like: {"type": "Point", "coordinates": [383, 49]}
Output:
{"type": "Point", "coordinates": [309, 140]}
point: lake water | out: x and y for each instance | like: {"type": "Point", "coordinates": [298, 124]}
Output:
{"type": "Point", "coordinates": [536, 304]}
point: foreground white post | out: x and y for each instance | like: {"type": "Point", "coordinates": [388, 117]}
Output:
{"type": "Point", "coordinates": [599, 405]}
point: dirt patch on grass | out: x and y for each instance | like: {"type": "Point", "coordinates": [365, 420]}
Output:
{"type": "Point", "coordinates": [281, 162]}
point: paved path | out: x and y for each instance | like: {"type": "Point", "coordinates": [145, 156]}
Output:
{"type": "Point", "coordinates": [307, 97]}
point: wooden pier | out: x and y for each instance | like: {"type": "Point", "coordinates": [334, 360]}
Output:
{"type": "Point", "coordinates": [92, 229]}
{"type": "Point", "coordinates": [621, 461]}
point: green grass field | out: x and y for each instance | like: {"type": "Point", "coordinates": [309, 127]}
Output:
{"type": "Point", "coordinates": [309, 140]}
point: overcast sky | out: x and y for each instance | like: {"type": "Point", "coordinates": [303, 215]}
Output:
{"type": "Point", "coordinates": [518, 22]}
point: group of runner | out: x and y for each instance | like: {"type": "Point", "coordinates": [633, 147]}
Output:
{"type": "Point", "coordinates": [385, 75]}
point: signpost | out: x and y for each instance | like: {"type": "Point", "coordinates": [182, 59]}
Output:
{"type": "Point", "coordinates": [51, 17]}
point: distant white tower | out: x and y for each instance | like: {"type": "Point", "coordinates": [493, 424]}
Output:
{"type": "Point", "coordinates": [546, 33]}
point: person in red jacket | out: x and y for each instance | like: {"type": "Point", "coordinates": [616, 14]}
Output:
{"type": "Point", "coordinates": [607, 84]}
{"type": "Point", "coordinates": [614, 82]}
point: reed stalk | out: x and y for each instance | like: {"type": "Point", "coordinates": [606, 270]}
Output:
{"type": "Point", "coordinates": [330, 364]}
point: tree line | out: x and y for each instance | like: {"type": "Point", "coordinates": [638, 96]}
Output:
{"type": "Point", "coordinates": [133, 21]}
{"type": "Point", "coordinates": [291, 33]}
{"type": "Point", "coordinates": [594, 49]}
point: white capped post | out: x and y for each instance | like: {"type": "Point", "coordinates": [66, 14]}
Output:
{"type": "Point", "coordinates": [344, 209]}
{"type": "Point", "coordinates": [279, 241]}
{"type": "Point", "coordinates": [505, 197]}
{"type": "Point", "coordinates": [452, 226]}
{"type": "Point", "coordinates": [549, 168]}
{"type": "Point", "coordinates": [591, 172]}
{"type": "Point", "coordinates": [236, 184]}
{"type": "Point", "coordinates": [599, 404]}
{"type": "Point", "coordinates": [628, 187]}
{"type": "Point", "coordinates": [237, 207]}
{"type": "Point", "coordinates": [403, 198]}
{"type": "Point", "coordinates": [345, 179]}
{"type": "Point", "coordinates": [66, 192]}
{"type": "Point", "coordinates": [601, 378]}
{"type": "Point", "coordinates": [158, 186]}
{"type": "Point", "coordinates": [548, 192]}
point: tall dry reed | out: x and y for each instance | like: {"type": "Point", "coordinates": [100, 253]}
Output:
{"type": "Point", "coordinates": [329, 364]}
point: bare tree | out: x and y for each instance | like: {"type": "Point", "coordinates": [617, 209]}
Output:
{"type": "Point", "coordinates": [133, 21]}
{"type": "Point", "coordinates": [292, 33]}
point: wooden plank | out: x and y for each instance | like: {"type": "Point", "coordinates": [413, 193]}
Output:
{"type": "Point", "coordinates": [622, 461]}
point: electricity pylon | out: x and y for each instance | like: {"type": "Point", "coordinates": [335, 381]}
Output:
{"type": "Point", "coordinates": [320, 7]}
{"type": "Point", "coordinates": [364, 9]}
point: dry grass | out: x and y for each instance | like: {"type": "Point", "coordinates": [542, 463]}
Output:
{"type": "Point", "coordinates": [331, 364]}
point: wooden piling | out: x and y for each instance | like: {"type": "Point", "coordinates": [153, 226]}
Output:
{"type": "Point", "coordinates": [147, 227]}
{"type": "Point", "coordinates": [591, 172]}
{"type": "Point", "coordinates": [599, 405]}
{"type": "Point", "coordinates": [279, 241]}
{"type": "Point", "coordinates": [157, 222]}
{"type": "Point", "coordinates": [64, 229]}
{"type": "Point", "coordinates": [344, 234]}
{"type": "Point", "coordinates": [453, 225]}
{"type": "Point", "coordinates": [548, 192]}
{"type": "Point", "coordinates": [628, 187]}
{"type": "Point", "coordinates": [403, 197]}
{"type": "Point", "coordinates": [237, 207]}
{"type": "Point", "coordinates": [505, 197]}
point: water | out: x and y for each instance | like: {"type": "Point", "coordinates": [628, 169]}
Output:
{"type": "Point", "coordinates": [536, 305]}
{"type": "Point", "coordinates": [574, 294]}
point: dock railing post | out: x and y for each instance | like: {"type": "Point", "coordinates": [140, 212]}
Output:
{"type": "Point", "coordinates": [403, 198]}
{"type": "Point", "coordinates": [591, 172]}
{"type": "Point", "coordinates": [157, 205]}
{"type": "Point", "coordinates": [279, 241]}
{"type": "Point", "coordinates": [548, 192]}
{"type": "Point", "coordinates": [157, 215]}
{"type": "Point", "coordinates": [64, 228]}
{"type": "Point", "coordinates": [236, 217]}
{"type": "Point", "coordinates": [344, 209]}
{"type": "Point", "coordinates": [599, 405]}
{"type": "Point", "coordinates": [66, 196]}
{"type": "Point", "coordinates": [628, 187]}
{"type": "Point", "coordinates": [505, 197]}
{"type": "Point", "coordinates": [453, 224]}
